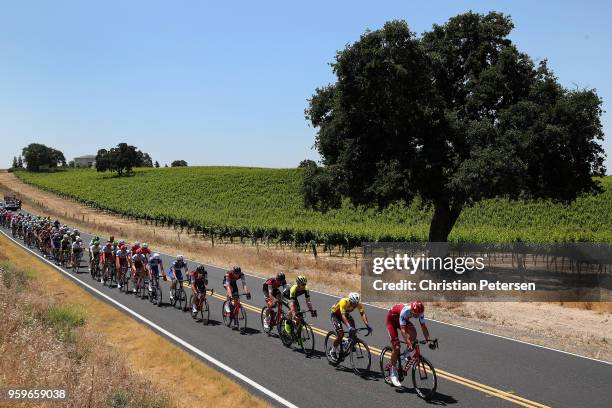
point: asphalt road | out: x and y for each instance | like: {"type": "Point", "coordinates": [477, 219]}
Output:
{"type": "Point", "coordinates": [474, 369]}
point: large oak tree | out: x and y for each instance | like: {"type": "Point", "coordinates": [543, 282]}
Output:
{"type": "Point", "coordinates": [454, 116]}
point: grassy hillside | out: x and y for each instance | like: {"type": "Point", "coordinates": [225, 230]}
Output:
{"type": "Point", "coordinates": [259, 202]}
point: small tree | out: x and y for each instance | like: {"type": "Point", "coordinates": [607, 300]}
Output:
{"type": "Point", "coordinates": [20, 162]}
{"type": "Point", "coordinates": [15, 164]}
{"type": "Point", "coordinates": [179, 163]}
{"type": "Point", "coordinates": [156, 164]}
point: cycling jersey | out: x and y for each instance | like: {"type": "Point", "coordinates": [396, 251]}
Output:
{"type": "Point", "coordinates": [200, 282]}
{"type": "Point", "coordinates": [65, 243]}
{"type": "Point", "coordinates": [134, 249]}
{"type": "Point", "coordinates": [344, 306]}
{"type": "Point", "coordinates": [154, 264]}
{"type": "Point", "coordinates": [138, 260]}
{"type": "Point", "coordinates": [176, 270]}
{"type": "Point", "coordinates": [399, 315]}
{"type": "Point", "coordinates": [95, 250]}
{"type": "Point", "coordinates": [293, 292]}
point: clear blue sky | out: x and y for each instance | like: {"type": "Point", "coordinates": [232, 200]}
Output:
{"type": "Point", "coordinates": [227, 83]}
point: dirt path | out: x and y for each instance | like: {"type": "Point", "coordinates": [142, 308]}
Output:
{"type": "Point", "coordinates": [582, 328]}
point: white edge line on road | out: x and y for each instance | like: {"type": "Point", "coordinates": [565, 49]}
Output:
{"type": "Point", "coordinates": [177, 339]}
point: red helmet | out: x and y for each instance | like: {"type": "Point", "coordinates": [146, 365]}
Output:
{"type": "Point", "coordinates": [417, 307]}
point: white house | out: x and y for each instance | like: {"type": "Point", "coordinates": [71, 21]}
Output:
{"type": "Point", "coordinates": [84, 161]}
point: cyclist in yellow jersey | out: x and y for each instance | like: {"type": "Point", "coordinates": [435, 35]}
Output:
{"type": "Point", "coordinates": [292, 293]}
{"type": "Point", "coordinates": [341, 313]}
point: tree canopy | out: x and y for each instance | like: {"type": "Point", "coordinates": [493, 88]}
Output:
{"type": "Point", "coordinates": [179, 163]}
{"type": "Point", "coordinates": [122, 158]}
{"type": "Point", "coordinates": [40, 157]}
{"type": "Point", "coordinates": [454, 116]}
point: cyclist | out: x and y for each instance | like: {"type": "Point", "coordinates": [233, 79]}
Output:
{"type": "Point", "coordinates": [176, 273]}
{"type": "Point", "coordinates": [145, 249]}
{"type": "Point", "coordinates": [135, 247]}
{"type": "Point", "coordinates": [292, 293]}
{"type": "Point", "coordinates": [341, 313]}
{"type": "Point", "coordinates": [231, 287]}
{"type": "Point", "coordinates": [199, 280]}
{"type": "Point", "coordinates": [399, 318]}
{"type": "Point", "coordinates": [77, 250]}
{"type": "Point", "coordinates": [65, 245]}
{"type": "Point", "coordinates": [56, 244]}
{"type": "Point", "coordinates": [154, 266]}
{"type": "Point", "coordinates": [94, 253]}
{"type": "Point", "coordinates": [271, 292]}
{"type": "Point", "coordinates": [139, 262]}
{"type": "Point", "coordinates": [123, 263]}
{"type": "Point", "coordinates": [107, 259]}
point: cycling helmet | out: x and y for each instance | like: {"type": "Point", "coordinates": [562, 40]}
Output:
{"type": "Point", "coordinates": [78, 239]}
{"type": "Point", "coordinates": [236, 269]}
{"type": "Point", "coordinates": [136, 243]}
{"type": "Point", "coordinates": [155, 256]}
{"type": "Point", "coordinates": [76, 231]}
{"type": "Point", "coordinates": [417, 307]}
{"type": "Point", "coordinates": [201, 269]}
{"type": "Point", "coordinates": [145, 245]}
{"type": "Point", "coordinates": [281, 277]}
{"type": "Point", "coordinates": [354, 298]}
{"type": "Point", "coordinates": [66, 236]}
{"type": "Point", "coordinates": [111, 238]}
{"type": "Point", "coordinates": [96, 238]}
{"type": "Point", "coordinates": [301, 280]}
{"type": "Point", "coordinates": [179, 258]}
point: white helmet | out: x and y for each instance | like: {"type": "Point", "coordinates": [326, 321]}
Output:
{"type": "Point", "coordinates": [156, 256]}
{"type": "Point", "coordinates": [354, 297]}
{"type": "Point", "coordinates": [179, 257]}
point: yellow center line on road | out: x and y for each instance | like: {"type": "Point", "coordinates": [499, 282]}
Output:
{"type": "Point", "coordinates": [441, 373]}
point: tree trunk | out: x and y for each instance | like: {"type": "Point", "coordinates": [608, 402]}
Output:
{"type": "Point", "coordinates": [443, 221]}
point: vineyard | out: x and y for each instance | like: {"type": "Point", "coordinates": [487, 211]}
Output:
{"type": "Point", "coordinates": [265, 206]}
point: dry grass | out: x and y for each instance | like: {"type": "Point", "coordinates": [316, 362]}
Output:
{"type": "Point", "coordinates": [47, 342]}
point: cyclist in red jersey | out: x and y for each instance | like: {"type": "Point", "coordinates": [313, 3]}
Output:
{"type": "Point", "coordinates": [399, 318]}
{"type": "Point", "coordinates": [145, 250]}
{"type": "Point", "coordinates": [135, 247]}
{"type": "Point", "coordinates": [271, 292]}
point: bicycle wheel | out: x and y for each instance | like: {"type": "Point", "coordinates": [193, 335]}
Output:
{"type": "Point", "coordinates": [181, 299]}
{"type": "Point", "coordinates": [158, 296]}
{"type": "Point", "coordinates": [307, 339]}
{"type": "Point", "coordinates": [424, 379]}
{"type": "Point", "coordinates": [360, 357]}
{"type": "Point", "coordinates": [286, 338]}
{"type": "Point", "coordinates": [385, 364]}
{"type": "Point", "coordinates": [226, 315]}
{"type": "Point", "coordinates": [205, 312]}
{"type": "Point", "coordinates": [242, 319]}
{"type": "Point", "coordinates": [329, 343]}
{"type": "Point", "coordinates": [266, 328]}
{"type": "Point", "coordinates": [174, 297]}
{"type": "Point", "coordinates": [193, 315]}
